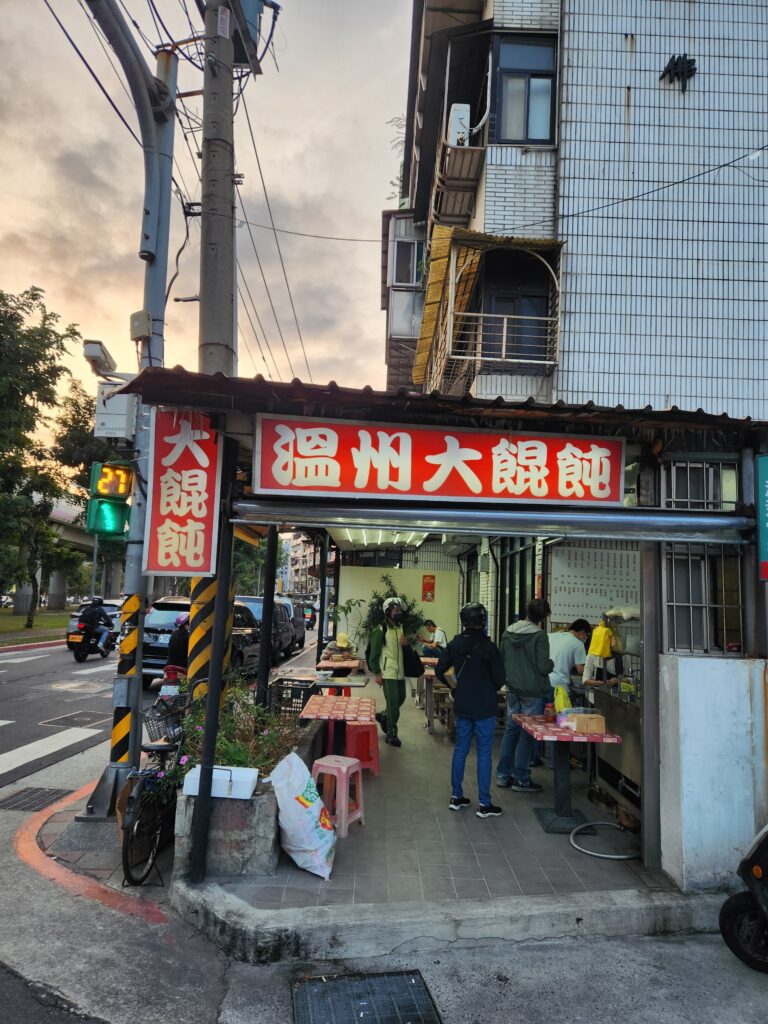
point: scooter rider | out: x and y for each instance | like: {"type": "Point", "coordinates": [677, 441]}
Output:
{"type": "Point", "coordinates": [178, 645]}
{"type": "Point", "coordinates": [97, 622]}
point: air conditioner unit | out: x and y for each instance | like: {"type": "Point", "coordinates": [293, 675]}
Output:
{"type": "Point", "coordinates": [458, 125]}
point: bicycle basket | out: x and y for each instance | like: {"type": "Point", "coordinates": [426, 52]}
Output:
{"type": "Point", "coordinates": [163, 723]}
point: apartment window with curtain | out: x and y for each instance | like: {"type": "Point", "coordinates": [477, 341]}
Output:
{"type": "Point", "coordinates": [526, 89]}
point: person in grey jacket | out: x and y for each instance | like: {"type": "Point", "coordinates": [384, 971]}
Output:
{"type": "Point", "coordinates": [527, 664]}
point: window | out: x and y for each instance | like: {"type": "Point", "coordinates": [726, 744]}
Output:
{"type": "Point", "coordinates": [409, 259]}
{"type": "Point", "coordinates": [526, 90]}
{"type": "Point", "coordinates": [703, 599]}
{"type": "Point", "coordinates": [701, 486]}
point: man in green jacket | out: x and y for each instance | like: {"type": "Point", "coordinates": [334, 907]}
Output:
{"type": "Point", "coordinates": [527, 664]}
{"type": "Point", "coordinates": [386, 661]}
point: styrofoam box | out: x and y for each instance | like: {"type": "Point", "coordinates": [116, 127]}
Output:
{"type": "Point", "coordinates": [230, 783]}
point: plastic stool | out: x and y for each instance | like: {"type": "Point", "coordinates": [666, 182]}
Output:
{"type": "Point", "coordinates": [341, 769]}
{"type": "Point", "coordinates": [363, 743]}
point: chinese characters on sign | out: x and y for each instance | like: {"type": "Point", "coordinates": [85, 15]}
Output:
{"type": "Point", "coordinates": [183, 495]}
{"type": "Point", "coordinates": [346, 459]}
{"type": "Point", "coordinates": [679, 69]}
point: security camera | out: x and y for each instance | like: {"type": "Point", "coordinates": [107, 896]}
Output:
{"type": "Point", "coordinates": [98, 358]}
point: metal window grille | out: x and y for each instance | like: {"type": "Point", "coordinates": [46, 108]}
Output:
{"type": "Point", "coordinates": [702, 485]}
{"type": "Point", "coordinates": [703, 599]}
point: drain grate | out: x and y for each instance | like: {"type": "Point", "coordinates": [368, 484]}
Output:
{"type": "Point", "coordinates": [80, 718]}
{"type": "Point", "coordinates": [393, 998]}
{"type": "Point", "coordinates": [32, 799]}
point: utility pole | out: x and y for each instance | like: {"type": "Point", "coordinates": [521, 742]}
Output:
{"type": "Point", "coordinates": [154, 99]}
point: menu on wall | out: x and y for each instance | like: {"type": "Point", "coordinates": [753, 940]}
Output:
{"type": "Point", "coordinates": [586, 582]}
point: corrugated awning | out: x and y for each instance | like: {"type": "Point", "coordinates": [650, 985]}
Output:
{"type": "Point", "coordinates": [470, 246]}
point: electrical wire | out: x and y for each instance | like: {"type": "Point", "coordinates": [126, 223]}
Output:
{"type": "Point", "coordinates": [92, 73]}
{"type": "Point", "coordinates": [144, 37]}
{"type": "Point", "coordinates": [277, 240]}
{"type": "Point", "coordinates": [157, 17]}
{"type": "Point", "coordinates": [182, 247]}
{"type": "Point", "coordinates": [104, 44]}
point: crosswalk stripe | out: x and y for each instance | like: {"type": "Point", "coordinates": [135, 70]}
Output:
{"type": "Point", "coordinates": [6, 723]}
{"type": "Point", "coordinates": [90, 671]}
{"type": "Point", "coordinates": [20, 661]}
{"type": "Point", "coordinates": [48, 745]}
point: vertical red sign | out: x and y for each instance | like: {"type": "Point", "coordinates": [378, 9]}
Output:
{"type": "Point", "coordinates": [427, 588]}
{"type": "Point", "coordinates": [183, 489]}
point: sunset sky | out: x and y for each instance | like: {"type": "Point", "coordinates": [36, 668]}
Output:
{"type": "Point", "coordinates": [73, 181]}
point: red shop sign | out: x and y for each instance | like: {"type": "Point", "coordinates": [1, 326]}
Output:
{"type": "Point", "coordinates": [182, 495]}
{"type": "Point", "coordinates": [330, 458]}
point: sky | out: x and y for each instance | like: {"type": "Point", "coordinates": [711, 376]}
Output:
{"type": "Point", "coordinates": [73, 182]}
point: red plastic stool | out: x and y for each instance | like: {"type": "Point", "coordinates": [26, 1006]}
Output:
{"type": "Point", "coordinates": [341, 770]}
{"type": "Point", "coordinates": [363, 743]}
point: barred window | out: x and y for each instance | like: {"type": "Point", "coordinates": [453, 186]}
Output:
{"type": "Point", "coordinates": [701, 486]}
{"type": "Point", "coordinates": [703, 599]}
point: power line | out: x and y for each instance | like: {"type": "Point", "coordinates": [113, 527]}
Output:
{"type": "Point", "coordinates": [97, 31]}
{"type": "Point", "coordinates": [277, 240]}
{"type": "Point", "coordinates": [92, 73]}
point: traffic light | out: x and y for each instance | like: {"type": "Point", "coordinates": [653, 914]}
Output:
{"type": "Point", "coordinates": [108, 511]}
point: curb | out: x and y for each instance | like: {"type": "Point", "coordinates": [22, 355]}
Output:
{"type": "Point", "coordinates": [331, 933]}
{"type": "Point", "coordinates": [31, 646]}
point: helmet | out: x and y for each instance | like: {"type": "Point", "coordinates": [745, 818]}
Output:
{"type": "Point", "coordinates": [342, 640]}
{"type": "Point", "coordinates": [474, 615]}
{"type": "Point", "coordinates": [97, 602]}
{"type": "Point", "coordinates": [182, 619]}
{"type": "Point", "coordinates": [390, 602]}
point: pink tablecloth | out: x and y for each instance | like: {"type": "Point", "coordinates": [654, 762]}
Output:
{"type": "Point", "coordinates": [358, 710]}
{"type": "Point", "coordinates": [548, 731]}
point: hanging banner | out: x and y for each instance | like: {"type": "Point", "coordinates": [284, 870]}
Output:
{"type": "Point", "coordinates": [183, 489]}
{"type": "Point", "coordinates": [761, 502]}
{"type": "Point", "coordinates": [428, 588]}
{"type": "Point", "coordinates": [330, 458]}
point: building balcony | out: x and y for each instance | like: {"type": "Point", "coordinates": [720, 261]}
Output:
{"type": "Point", "coordinates": [458, 173]}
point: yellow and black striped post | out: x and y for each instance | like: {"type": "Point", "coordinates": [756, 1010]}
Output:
{"type": "Point", "coordinates": [202, 605]}
{"type": "Point", "coordinates": [129, 642]}
{"type": "Point", "coordinates": [121, 735]}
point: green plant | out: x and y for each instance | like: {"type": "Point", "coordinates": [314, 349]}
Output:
{"type": "Point", "coordinates": [413, 620]}
{"type": "Point", "coordinates": [346, 610]}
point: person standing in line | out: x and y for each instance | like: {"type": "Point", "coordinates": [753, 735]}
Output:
{"type": "Point", "coordinates": [385, 660]}
{"type": "Point", "coordinates": [479, 672]}
{"type": "Point", "coordinates": [527, 665]}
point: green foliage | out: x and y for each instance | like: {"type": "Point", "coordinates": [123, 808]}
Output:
{"type": "Point", "coordinates": [413, 620]}
{"type": "Point", "coordinates": [351, 612]}
{"type": "Point", "coordinates": [248, 565]}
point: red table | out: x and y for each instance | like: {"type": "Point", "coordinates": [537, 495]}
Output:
{"type": "Point", "coordinates": [353, 710]}
{"type": "Point", "coordinates": [561, 819]}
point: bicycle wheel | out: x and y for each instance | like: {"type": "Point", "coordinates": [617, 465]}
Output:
{"type": "Point", "coordinates": [141, 832]}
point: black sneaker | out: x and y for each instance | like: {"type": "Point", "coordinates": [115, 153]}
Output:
{"type": "Point", "coordinates": [503, 783]}
{"type": "Point", "coordinates": [488, 811]}
{"type": "Point", "coordinates": [526, 787]}
{"type": "Point", "coordinates": [457, 802]}
{"type": "Point", "coordinates": [393, 741]}
{"type": "Point", "coordinates": [381, 718]}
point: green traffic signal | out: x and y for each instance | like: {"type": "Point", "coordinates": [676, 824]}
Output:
{"type": "Point", "coordinates": [107, 518]}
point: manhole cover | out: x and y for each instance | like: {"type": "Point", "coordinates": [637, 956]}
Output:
{"type": "Point", "coordinates": [80, 718]}
{"type": "Point", "coordinates": [32, 799]}
{"type": "Point", "coordinates": [399, 997]}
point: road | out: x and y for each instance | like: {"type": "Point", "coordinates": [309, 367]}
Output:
{"type": "Point", "coordinates": [51, 707]}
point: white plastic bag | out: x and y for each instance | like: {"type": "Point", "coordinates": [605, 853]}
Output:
{"type": "Point", "coordinates": [306, 831]}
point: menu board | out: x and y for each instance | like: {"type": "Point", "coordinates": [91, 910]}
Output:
{"type": "Point", "coordinates": [586, 582]}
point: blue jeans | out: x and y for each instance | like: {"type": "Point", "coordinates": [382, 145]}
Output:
{"type": "Point", "coordinates": [101, 633]}
{"type": "Point", "coordinates": [517, 746]}
{"type": "Point", "coordinates": [483, 728]}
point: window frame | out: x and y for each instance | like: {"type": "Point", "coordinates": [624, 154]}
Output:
{"type": "Point", "coordinates": [502, 73]}
{"type": "Point", "coordinates": [708, 563]}
{"type": "Point", "coordinates": [418, 261]}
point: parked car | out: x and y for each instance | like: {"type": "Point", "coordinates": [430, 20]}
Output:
{"type": "Point", "coordinates": [296, 611]}
{"type": "Point", "coordinates": [283, 634]}
{"type": "Point", "coordinates": [160, 622]}
{"type": "Point", "coordinates": [112, 606]}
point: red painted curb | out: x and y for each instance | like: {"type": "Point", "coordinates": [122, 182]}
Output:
{"type": "Point", "coordinates": [27, 850]}
{"type": "Point", "coordinates": [33, 646]}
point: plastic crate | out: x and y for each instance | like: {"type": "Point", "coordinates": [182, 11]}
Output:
{"type": "Point", "coordinates": [288, 697]}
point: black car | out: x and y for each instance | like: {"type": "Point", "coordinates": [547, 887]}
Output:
{"type": "Point", "coordinates": [296, 612]}
{"type": "Point", "coordinates": [283, 633]}
{"type": "Point", "coordinates": [112, 606]}
{"type": "Point", "coordinates": [160, 622]}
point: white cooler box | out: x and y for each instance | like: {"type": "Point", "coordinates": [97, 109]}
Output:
{"type": "Point", "coordinates": [230, 783]}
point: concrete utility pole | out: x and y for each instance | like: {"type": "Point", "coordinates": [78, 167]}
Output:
{"type": "Point", "coordinates": [154, 98]}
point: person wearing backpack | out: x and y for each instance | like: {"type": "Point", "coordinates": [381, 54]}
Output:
{"type": "Point", "coordinates": [479, 671]}
{"type": "Point", "coordinates": [527, 664]}
{"type": "Point", "coordinates": [385, 659]}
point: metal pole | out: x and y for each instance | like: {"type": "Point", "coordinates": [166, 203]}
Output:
{"type": "Point", "coordinates": [336, 582]}
{"type": "Point", "coordinates": [267, 616]}
{"type": "Point", "coordinates": [157, 94]}
{"type": "Point", "coordinates": [95, 563]}
{"type": "Point", "coordinates": [321, 614]}
{"type": "Point", "coordinates": [651, 773]}
{"type": "Point", "coordinates": [202, 811]}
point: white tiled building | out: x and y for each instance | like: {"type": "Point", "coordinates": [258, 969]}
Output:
{"type": "Point", "coordinates": [594, 207]}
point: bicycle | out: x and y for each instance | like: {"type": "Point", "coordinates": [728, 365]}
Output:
{"type": "Point", "coordinates": [150, 812]}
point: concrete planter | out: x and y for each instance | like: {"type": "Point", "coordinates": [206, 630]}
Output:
{"type": "Point", "coordinates": [244, 834]}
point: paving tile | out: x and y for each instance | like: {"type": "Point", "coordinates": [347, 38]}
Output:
{"type": "Point", "coordinates": [335, 897]}
{"type": "Point", "coordinates": [503, 887]}
{"type": "Point", "coordinates": [535, 888]}
{"type": "Point", "coordinates": [261, 894]}
{"type": "Point", "coordinates": [110, 859]}
{"type": "Point", "coordinates": [466, 870]}
{"type": "Point", "coordinates": [404, 887]}
{"type": "Point", "coordinates": [68, 856]}
{"type": "Point", "coordinates": [302, 880]}
{"type": "Point", "coordinates": [298, 899]}
{"type": "Point", "coordinates": [403, 864]}
{"type": "Point", "coordinates": [471, 888]}
{"type": "Point", "coordinates": [442, 890]}
{"type": "Point", "coordinates": [365, 896]}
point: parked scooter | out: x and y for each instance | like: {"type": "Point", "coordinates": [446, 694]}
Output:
{"type": "Point", "coordinates": [87, 643]}
{"type": "Point", "coordinates": [744, 916]}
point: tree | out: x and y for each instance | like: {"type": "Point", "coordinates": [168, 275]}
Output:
{"type": "Point", "coordinates": [248, 566]}
{"type": "Point", "coordinates": [31, 349]}
{"type": "Point", "coordinates": [74, 444]}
